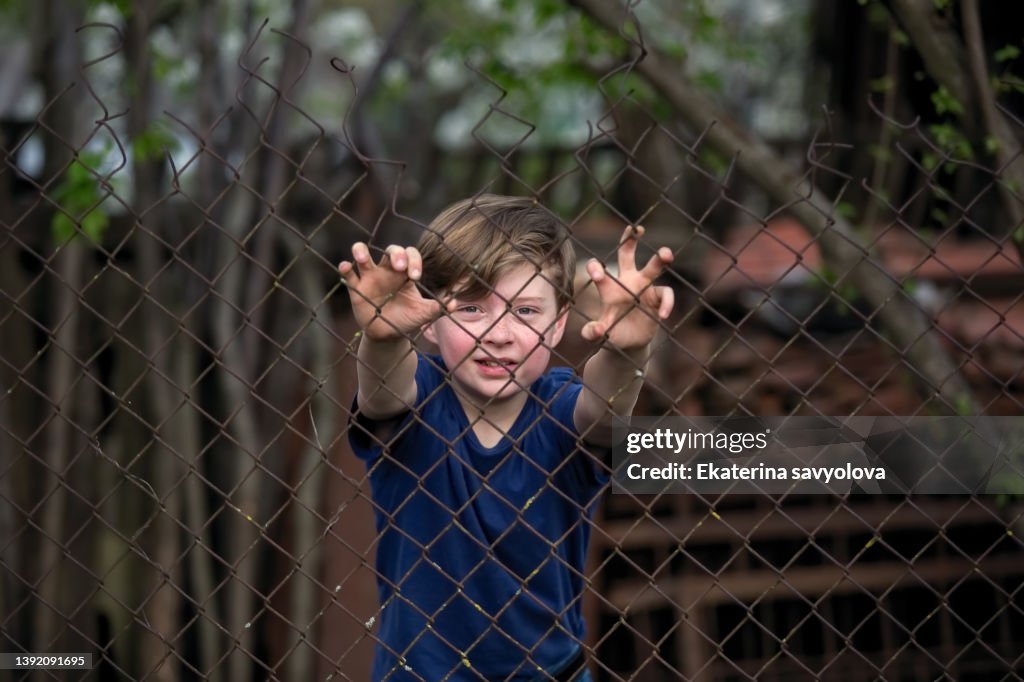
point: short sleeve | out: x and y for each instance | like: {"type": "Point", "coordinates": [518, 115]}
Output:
{"type": "Point", "coordinates": [558, 393]}
{"type": "Point", "coordinates": [370, 437]}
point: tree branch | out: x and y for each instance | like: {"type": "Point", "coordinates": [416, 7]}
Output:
{"type": "Point", "coordinates": [1008, 150]}
{"type": "Point", "coordinates": [913, 334]}
{"type": "Point", "coordinates": [938, 46]}
{"type": "Point", "coordinates": [306, 535]}
{"type": "Point", "coordinates": [60, 67]}
{"type": "Point", "coordinates": [961, 70]}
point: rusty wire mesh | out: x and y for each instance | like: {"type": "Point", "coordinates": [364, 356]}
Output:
{"type": "Point", "coordinates": [178, 497]}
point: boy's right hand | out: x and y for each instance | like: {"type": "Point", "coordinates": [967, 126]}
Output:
{"type": "Point", "coordinates": [385, 300]}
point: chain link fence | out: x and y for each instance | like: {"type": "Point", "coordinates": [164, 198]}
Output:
{"type": "Point", "coordinates": [177, 493]}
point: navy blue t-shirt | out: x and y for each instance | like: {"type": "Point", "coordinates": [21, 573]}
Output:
{"type": "Point", "coordinates": [481, 550]}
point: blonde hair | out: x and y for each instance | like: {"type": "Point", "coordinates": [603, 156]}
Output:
{"type": "Point", "coordinates": [477, 240]}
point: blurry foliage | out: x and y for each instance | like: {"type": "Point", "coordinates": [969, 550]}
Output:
{"type": "Point", "coordinates": [125, 7]}
{"type": "Point", "coordinates": [542, 53]}
{"type": "Point", "coordinates": [80, 199]}
{"type": "Point", "coordinates": [156, 141]}
{"type": "Point", "coordinates": [945, 102]}
{"type": "Point", "coordinates": [14, 10]}
{"type": "Point", "coordinates": [1006, 81]}
{"type": "Point", "coordinates": [838, 285]}
{"type": "Point", "coordinates": [546, 56]}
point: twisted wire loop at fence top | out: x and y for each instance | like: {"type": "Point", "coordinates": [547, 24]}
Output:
{"type": "Point", "coordinates": [177, 492]}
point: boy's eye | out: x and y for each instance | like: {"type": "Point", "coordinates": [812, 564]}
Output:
{"type": "Point", "coordinates": [523, 312]}
{"type": "Point", "coordinates": [468, 309]}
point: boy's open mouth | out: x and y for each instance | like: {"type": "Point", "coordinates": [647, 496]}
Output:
{"type": "Point", "coordinates": [496, 363]}
{"type": "Point", "coordinates": [500, 363]}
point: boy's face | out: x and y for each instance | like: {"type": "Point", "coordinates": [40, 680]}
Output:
{"type": "Point", "coordinates": [495, 347]}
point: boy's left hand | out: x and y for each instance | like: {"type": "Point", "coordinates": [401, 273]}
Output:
{"type": "Point", "coordinates": [631, 306]}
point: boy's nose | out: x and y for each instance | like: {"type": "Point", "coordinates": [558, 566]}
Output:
{"type": "Point", "coordinates": [499, 332]}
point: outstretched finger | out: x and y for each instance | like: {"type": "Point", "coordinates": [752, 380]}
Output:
{"type": "Point", "coordinates": [415, 262]}
{"type": "Point", "coordinates": [592, 331]}
{"type": "Point", "coordinates": [361, 255]}
{"type": "Point", "coordinates": [596, 270]}
{"type": "Point", "coordinates": [656, 265]}
{"type": "Point", "coordinates": [348, 273]}
{"type": "Point", "coordinates": [627, 247]}
{"type": "Point", "coordinates": [394, 258]}
{"type": "Point", "coordinates": [600, 277]}
{"type": "Point", "coordinates": [667, 302]}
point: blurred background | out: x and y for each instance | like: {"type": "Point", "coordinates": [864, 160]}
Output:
{"type": "Point", "coordinates": [841, 183]}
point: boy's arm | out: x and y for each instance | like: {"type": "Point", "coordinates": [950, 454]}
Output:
{"type": "Point", "coordinates": [631, 309]}
{"type": "Point", "coordinates": [386, 373]}
{"type": "Point", "coordinates": [390, 310]}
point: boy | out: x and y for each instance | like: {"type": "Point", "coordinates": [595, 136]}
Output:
{"type": "Point", "coordinates": [482, 489]}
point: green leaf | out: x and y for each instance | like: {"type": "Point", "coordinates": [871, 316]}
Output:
{"type": "Point", "coordinates": [1009, 83]}
{"type": "Point", "coordinates": [714, 162]}
{"type": "Point", "coordinates": [122, 6]}
{"type": "Point", "coordinates": [706, 26]}
{"type": "Point", "coordinates": [1011, 483]}
{"type": "Point", "coordinates": [847, 294]}
{"type": "Point", "coordinates": [878, 16]}
{"type": "Point", "coordinates": [629, 30]}
{"type": "Point", "coordinates": [62, 227]}
{"type": "Point", "coordinates": [945, 102]}
{"type": "Point", "coordinates": [883, 84]}
{"type": "Point", "coordinates": [676, 51]}
{"type": "Point", "coordinates": [153, 143]}
{"type": "Point", "coordinates": [94, 224]}
{"type": "Point", "coordinates": [828, 275]}
{"type": "Point", "coordinates": [80, 200]}
{"type": "Point", "coordinates": [951, 140]}
{"type": "Point", "coordinates": [1007, 53]}
{"type": "Point", "coordinates": [963, 405]}
{"type": "Point", "coordinates": [882, 154]}
{"type": "Point", "coordinates": [546, 10]}
{"type": "Point", "coordinates": [711, 80]}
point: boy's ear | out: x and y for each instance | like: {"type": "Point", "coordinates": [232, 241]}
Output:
{"type": "Point", "coordinates": [558, 329]}
{"type": "Point", "coordinates": [428, 332]}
